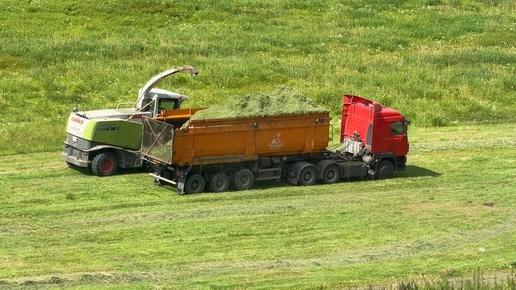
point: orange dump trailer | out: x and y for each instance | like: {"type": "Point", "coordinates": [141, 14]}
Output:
{"type": "Point", "coordinates": [235, 140]}
{"type": "Point", "coordinates": [218, 154]}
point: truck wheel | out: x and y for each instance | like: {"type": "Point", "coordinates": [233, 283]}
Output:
{"type": "Point", "coordinates": [384, 170]}
{"type": "Point", "coordinates": [243, 179]}
{"type": "Point", "coordinates": [331, 174]}
{"type": "Point", "coordinates": [308, 175]}
{"type": "Point", "coordinates": [104, 164]}
{"type": "Point", "coordinates": [218, 182]}
{"type": "Point", "coordinates": [194, 184]}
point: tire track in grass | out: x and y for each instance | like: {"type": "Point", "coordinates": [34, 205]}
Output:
{"type": "Point", "coordinates": [447, 145]}
{"type": "Point", "coordinates": [462, 138]}
{"type": "Point", "coordinates": [419, 247]}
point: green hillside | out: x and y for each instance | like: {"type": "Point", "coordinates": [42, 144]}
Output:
{"type": "Point", "coordinates": [440, 62]}
{"type": "Point", "coordinates": [447, 222]}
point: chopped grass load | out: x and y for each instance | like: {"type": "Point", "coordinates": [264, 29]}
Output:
{"type": "Point", "coordinates": [280, 102]}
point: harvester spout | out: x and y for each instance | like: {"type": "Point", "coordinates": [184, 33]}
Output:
{"type": "Point", "coordinates": [144, 92]}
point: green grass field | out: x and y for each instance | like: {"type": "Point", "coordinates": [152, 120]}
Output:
{"type": "Point", "coordinates": [452, 213]}
{"type": "Point", "coordinates": [448, 65]}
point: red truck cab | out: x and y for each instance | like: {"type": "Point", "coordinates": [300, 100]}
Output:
{"type": "Point", "coordinates": [374, 133]}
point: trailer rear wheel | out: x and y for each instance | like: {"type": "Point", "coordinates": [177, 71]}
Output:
{"type": "Point", "coordinates": [194, 184]}
{"type": "Point", "coordinates": [243, 179]}
{"type": "Point", "coordinates": [308, 175]}
{"type": "Point", "coordinates": [384, 170]}
{"type": "Point", "coordinates": [331, 174]}
{"type": "Point", "coordinates": [218, 182]}
{"type": "Point", "coordinates": [104, 164]}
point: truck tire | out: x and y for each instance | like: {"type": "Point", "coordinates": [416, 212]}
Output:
{"type": "Point", "coordinates": [104, 164]}
{"type": "Point", "coordinates": [331, 173]}
{"type": "Point", "coordinates": [308, 175]}
{"type": "Point", "coordinates": [218, 182]}
{"type": "Point", "coordinates": [384, 170]}
{"type": "Point", "coordinates": [194, 184]}
{"type": "Point", "coordinates": [243, 179]}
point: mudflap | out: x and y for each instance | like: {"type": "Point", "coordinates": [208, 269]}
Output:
{"type": "Point", "coordinates": [181, 185]}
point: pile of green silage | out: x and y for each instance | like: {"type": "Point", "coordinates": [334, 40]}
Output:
{"type": "Point", "coordinates": [281, 101]}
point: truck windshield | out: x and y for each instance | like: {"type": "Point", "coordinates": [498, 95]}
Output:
{"type": "Point", "coordinates": [397, 128]}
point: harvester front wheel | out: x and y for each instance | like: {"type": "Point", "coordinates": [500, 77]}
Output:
{"type": "Point", "coordinates": [194, 184]}
{"type": "Point", "coordinates": [104, 164]}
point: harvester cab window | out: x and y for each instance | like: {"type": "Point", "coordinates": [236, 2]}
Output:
{"type": "Point", "coordinates": [167, 104]}
{"type": "Point", "coordinates": [397, 128]}
{"type": "Point", "coordinates": [146, 106]}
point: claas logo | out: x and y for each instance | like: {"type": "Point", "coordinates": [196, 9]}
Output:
{"type": "Point", "coordinates": [77, 120]}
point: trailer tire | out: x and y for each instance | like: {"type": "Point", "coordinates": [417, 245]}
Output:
{"type": "Point", "coordinates": [194, 184]}
{"type": "Point", "coordinates": [218, 182]}
{"type": "Point", "coordinates": [331, 174]}
{"type": "Point", "coordinates": [104, 164]}
{"type": "Point", "coordinates": [308, 175]}
{"type": "Point", "coordinates": [243, 179]}
{"type": "Point", "coordinates": [384, 170]}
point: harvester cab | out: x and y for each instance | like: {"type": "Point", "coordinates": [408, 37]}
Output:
{"type": "Point", "coordinates": [161, 100]}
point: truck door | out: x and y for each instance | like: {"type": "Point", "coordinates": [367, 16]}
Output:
{"type": "Point", "coordinates": [398, 141]}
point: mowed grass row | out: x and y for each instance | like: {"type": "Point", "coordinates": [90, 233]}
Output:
{"type": "Point", "coordinates": [451, 213]}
